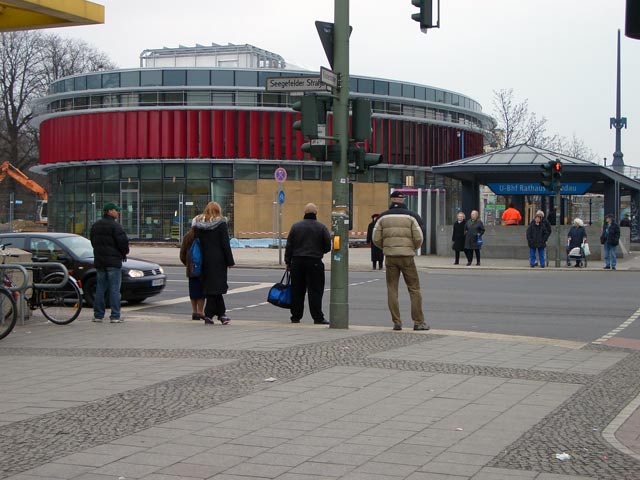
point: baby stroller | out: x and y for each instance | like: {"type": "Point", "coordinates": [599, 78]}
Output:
{"type": "Point", "coordinates": [579, 255]}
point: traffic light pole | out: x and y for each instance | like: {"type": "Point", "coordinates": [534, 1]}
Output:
{"type": "Point", "coordinates": [556, 208]}
{"type": "Point", "coordinates": [339, 303]}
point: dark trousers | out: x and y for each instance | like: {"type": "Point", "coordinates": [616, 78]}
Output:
{"type": "Point", "coordinates": [469, 254]}
{"type": "Point", "coordinates": [215, 306]}
{"type": "Point", "coordinates": [457, 260]}
{"type": "Point", "coordinates": [307, 276]}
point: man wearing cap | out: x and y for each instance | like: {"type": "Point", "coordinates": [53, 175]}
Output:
{"type": "Point", "coordinates": [610, 238]}
{"type": "Point", "coordinates": [398, 232]}
{"type": "Point", "coordinates": [307, 242]}
{"type": "Point", "coordinates": [110, 248]}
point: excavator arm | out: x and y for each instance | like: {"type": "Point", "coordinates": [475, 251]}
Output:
{"type": "Point", "coordinates": [7, 169]}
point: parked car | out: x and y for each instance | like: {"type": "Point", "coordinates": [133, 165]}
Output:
{"type": "Point", "coordinates": [140, 279]}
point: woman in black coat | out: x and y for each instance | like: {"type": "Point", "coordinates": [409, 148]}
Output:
{"type": "Point", "coordinates": [458, 237]}
{"type": "Point", "coordinates": [474, 229]}
{"type": "Point", "coordinates": [376, 253]}
{"type": "Point", "coordinates": [212, 231]}
{"type": "Point", "coordinates": [575, 238]}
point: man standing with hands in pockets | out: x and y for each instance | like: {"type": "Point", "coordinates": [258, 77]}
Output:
{"type": "Point", "coordinates": [398, 232]}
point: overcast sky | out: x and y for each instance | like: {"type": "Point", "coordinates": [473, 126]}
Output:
{"type": "Point", "coordinates": [558, 54]}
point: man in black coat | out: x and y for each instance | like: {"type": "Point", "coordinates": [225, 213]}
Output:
{"type": "Point", "coordinates": [307, 242]}
{"type": "Point", "coordinates": [537, 236]}
{"type": "Point", "coordinates": [110, 248]}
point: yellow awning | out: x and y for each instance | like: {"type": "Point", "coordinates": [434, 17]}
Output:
{"type": "Point", "coordinates": [32, 14]}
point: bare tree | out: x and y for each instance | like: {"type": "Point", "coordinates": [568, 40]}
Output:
{"type": "Point", "coordinates": [574, 147]}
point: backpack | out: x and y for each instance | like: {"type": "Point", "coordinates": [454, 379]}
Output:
{"type": "Point", "coordinates": [195, 254]}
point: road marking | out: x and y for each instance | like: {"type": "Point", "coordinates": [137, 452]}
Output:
{"type": "Point", "coordinates": [174, 301]}
{"type": "Point", "coordinates": [619, 328]}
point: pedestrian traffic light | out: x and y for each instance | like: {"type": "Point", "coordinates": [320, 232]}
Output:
{"type": "Point", "coordinates": [557, 173]}
{"type": "Point", "coordinates": [425, 17]}
{"type": "Point", "coordinates": [361, 119]}
{"type": "Point", "coordinates": [547, 174]}
{"type": "Point", "coordinates": [308, 122]}
{"type": "Point", "coordinates": [363, 160]}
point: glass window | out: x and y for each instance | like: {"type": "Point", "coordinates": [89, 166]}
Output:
{"type": "Point", "coordinates": [129, 171]}
{"type": "Point", "coordinates": [421, 93]}
{"type": "Point", "coordinates": [246, 78]}
{"type": "Point", "coordinates": [45, 248]}
{"type": "Point", "coordinates": [455, 99]}
{"type": "Point", "coordinates": [262, 77]}
{"type": "Point", "coordinates": [222, 77]}
{"type": "Point", "coordinates": [111, 100]}
{"type": "Point", "coordinates": [80, 102]}
{"type": "Point", "coordinates": [93, 172]}
{"type": "Point", "coordinates": [380, 174]}
{"type": "Point", "coordinates": [80, 83]}
{"type": "Point", "coordinates": [395, 89]}
{"type": "Point", "coordinates": [395, 176]}
{"type": "Point", "coordinates": [394, 108]}
{"type": "Point", "coordinates": [174, 77]}
{"type": "Point", "coordinates": [110, 80]}
{"type": "Point", "coordinates": [222, 98]}
{"type": "Point", "coordinates": [93, 82]}
{"type": "Point", "coordinates": [198, 171]}
{"type": "Point", "coordinates": [198, 187]}
{"type": "Point", "coordinates": [129, 79]}
{"type": "Point", "coordinates": [81, 174]}
{"type": "Point", "coordinates": [365, 85]}
{"type": "Point", "coordinates": [151, 78]}
{"type": "Point", "coordinates": [246, 98]}
{"type": "Point", "coordinates": [242, 171]}
{"type": "Point", "coordinates": [198, 98]}
{"type": "Point", "coordinates": [68, 175]}
{"type": "Point", "coordinates": [326, 173]}
{"type": "Point", "coordinates": [68, 85]}
{"type": "Point", "coordinates": [381, 88]}
{"type": "Point", "coordinates": [222, 170]}
{"type": "Point", "coordinates": [272, 99]}
{"type": "Point", "coordinates": [419, 178]}
{"type": "Point", "coordinates": [378, 106]}
{"type": "Point", "coordinates": [408, 91]}
{"type": "Point", "coordinates": [447, 97]}
{"type": "Point", "coordinates": [149, 98]}
{"type": "Point", "coordinates": [353, 84]}
{"type": "Point", "coordinates": [172, 98]}
{"type": "Point", "coordinates": [129, 99]}
{"type": "Point", "coordinates": [110, 172]}
{"type": "Point", "coordinates": [174, 170]}
{"type": "Point", "coordinates": [311, 172]}
{"type": "Point", "coordinates": [439, 96]}
{"type": "Point", "coordinates": [150, 172]}
{"type": "Point", "coordinates": [198, 77]}
{"type": "Point", "coordinates": [267, 171]}
{"type": "Point", "coordinates": [431, 95]}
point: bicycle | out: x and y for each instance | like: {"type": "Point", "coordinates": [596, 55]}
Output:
{"type": "Point", "coordinates": [60, 303]}
{"type": "Point", "coordinates": [8, 309]}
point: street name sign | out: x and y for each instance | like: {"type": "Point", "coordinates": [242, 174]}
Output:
{"type": "Point", "coordinates": [328, 77]}
{"type": "Point", "coordinates": [295, 84]}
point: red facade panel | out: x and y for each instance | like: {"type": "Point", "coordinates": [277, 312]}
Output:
{"type": "Point", "coordinates": [204, 134]}
{"type": "Point", "coordinates": [230, 134]}
{"type": "Point", "coordinates": [288, 135]}
{"type": "Point", "coordinates": [179, 134]}
{"type": "Point", "coordinates": [277, 135]}
{"type": "Point", "coordinates": [242, 134]}
{"type": "Point", "coordinates": [166, 134]}
{"type": "Point", "coordinates": [254, 134]}
{"type": "Point", "coordinates": [191, 134]}
{"type": "Point", "coordinates": [217, 129]}
{"type": "Point", "coordinates": [131, 134]}
{"type": "Point", "coordinates": [143, 134]}
{"type": "Point", "coordinates": [265, 139]}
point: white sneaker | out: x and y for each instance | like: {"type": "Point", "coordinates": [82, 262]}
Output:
{"type": "Point", "coordinates": [97, 320]}
{"type": "Point", "coordinates": [117, 320]}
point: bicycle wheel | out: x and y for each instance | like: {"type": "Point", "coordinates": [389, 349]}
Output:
{"type": "Point", "coordinates": [8, 312]}
{"type": "Point", "coordinates": [60, 305]}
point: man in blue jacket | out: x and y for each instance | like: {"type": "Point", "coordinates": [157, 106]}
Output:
{"type": "Point", "coordinates": [610, 238]}
{"type": "Point", "coordinates": [110, 248]}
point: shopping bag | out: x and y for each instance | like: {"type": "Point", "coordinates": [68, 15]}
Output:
{"type": "Point", "coordinates": [280, 294]}
{"type": "Point", "coordinates": [585, 248]}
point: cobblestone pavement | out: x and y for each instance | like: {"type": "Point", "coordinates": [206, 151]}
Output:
{"type": "Point", "coordinates": [338, 404]}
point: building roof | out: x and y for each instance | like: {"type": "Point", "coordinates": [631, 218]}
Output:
{"type": "Point", "coordinates": [520, 155]}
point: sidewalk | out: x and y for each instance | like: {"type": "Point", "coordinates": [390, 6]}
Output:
{"type": "Point", "coordinates": [159, 398]}
{"type": "Point", "coordinates": [359, 259]}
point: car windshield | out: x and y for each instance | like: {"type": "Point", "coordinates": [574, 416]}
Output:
{"type": "Point", "coordinates": [79, 246]}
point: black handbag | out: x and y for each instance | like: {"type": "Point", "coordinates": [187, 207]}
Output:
{"type": "Point", "coordinates": [280, 294]}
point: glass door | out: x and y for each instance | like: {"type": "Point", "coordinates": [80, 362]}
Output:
{"type": "Point", "coordinates": [130, 208]}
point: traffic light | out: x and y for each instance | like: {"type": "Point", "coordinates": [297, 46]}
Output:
{"type": "Point", "coordinates": [557, 173]}
{"type": "Point", "coordinates": [547, 174]}
{"type": "Point", "coordinates": [425, 17]}
{"type": "Point", "coordinates": [363, 160]}
{"type": "Point", "coordinates": [308, 122]}
{"type": "Point", "coordinates": [361, 119]}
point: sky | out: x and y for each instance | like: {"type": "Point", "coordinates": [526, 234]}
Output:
{"type": "Point", "coordinates": [560, 55]}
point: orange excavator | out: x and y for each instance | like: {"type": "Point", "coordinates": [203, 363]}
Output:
{"type": "Point", "coordinates": [41, 212]}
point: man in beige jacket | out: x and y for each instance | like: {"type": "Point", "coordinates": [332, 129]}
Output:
{"type": "Point", "coordinates": [398, 232]}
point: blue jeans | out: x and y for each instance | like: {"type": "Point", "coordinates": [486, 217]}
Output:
{"type": "Point", "coordinates": [532, 256]}
{"type": "Point", "coordinates": [609, 255]}
{"type": "Point", "coordinates": [110, 279]}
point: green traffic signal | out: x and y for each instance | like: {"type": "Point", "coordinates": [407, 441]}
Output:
{"type": "Point", "coordinates": [425, 17]}
{"type": "Point", "coordinates": [361, 119]}
{"type": "Point", "coordinates": [363, 160]}
{"type": "Point", "coordinates": [308, 122]}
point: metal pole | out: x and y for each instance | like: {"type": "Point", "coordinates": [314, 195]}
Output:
{"type": "Point", "coordinates": [556, 208]}
{"type": "Point", "coordinates": [339, 303]}
{"type": "Point", "coordinates": [11, 204]}
{"type": "Point", "coordinates": [279, 220]}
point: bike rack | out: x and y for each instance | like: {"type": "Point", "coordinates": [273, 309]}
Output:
{"type": "Point", "coordinates": [21, 289]}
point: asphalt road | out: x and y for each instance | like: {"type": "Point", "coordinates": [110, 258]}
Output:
{"type": "Point", "coordinates": [568, 305]}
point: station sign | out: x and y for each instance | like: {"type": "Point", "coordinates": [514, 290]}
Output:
{"type": "Point", "coordinates": [572, 188]}
{"type": "Point", "coordinates": [295, 84]}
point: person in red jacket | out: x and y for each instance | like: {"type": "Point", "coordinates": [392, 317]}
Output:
{"type": "Point", "coordinates": [511, 216]}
